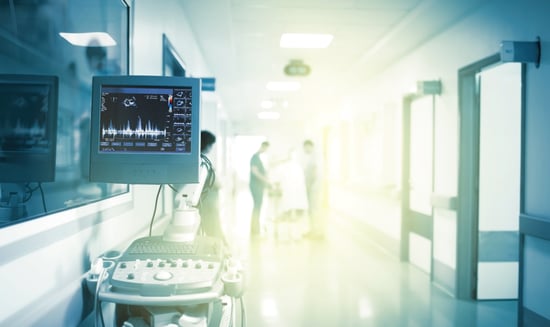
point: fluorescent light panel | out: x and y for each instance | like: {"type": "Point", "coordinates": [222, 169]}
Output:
{"type": "Point", "coordinates": [269, 115]}
{"type": "Point", "coordinates": [93, 39]}
{"type": "Point", "coordinates": [305, 41]}
{"type": "Point", "coordinates": [283, 86]}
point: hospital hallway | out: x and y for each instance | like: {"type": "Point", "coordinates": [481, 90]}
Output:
{"type": "Point", "coordinates": [347, 280]}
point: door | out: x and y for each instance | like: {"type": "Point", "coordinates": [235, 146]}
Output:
{"type": "Point", "coordinates": [489, 189]}
{"type": "Point", "coordinates": [417, 176]}
{"type": "Point", "coordinates": [499, 181]}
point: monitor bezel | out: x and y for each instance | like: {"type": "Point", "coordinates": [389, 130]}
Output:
{"type": "Point", "coordinates": [33, 167]}
{"type": "Point", "coordinates": [144, 168]}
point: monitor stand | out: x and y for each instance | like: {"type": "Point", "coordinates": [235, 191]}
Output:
{"type": "Point", "coordinates": [184, 224]}
{"type": "Point", "coordinates": [12, 205]}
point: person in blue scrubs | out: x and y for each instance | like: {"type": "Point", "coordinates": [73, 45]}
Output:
{"type": "Point", "coordinates": [258, 183]}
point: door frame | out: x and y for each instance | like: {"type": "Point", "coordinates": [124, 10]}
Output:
{"type": "Point", "coordinates": [468, 174]}
{"type": "Point", "coordinates": [411, 221]}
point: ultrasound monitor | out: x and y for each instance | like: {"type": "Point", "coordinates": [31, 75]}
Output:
{"type": "Point", "coordinates": [145, 130]}
{"type": "Point", "coordinates": [28, 132]}
{"type": "Point", "coordinates": [28, 128]}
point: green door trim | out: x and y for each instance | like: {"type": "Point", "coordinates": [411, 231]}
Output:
{"type": "Point", "coordinates": [468, 177]}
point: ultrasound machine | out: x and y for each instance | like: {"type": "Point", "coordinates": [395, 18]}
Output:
{"type": "Point", "coordinates": [145, 130]}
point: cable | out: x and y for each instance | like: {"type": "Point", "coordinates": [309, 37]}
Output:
{"type": "Point", "coordinates": [172, 187]}
{"type": "Point", "coordinates": [43, 198]}
{"type": "Point", "coordinates": [101, 314]}
{"type": "Point", "coordinates": [210, 178]}
{"type": "Point", "coordinates": [28, 192]}
{"type": "Point", "coordinates": [243, 313]}
{"type": "Point", "coordinates": [97, 304]}
{"type": "Point", "coordinates": [209, 183]}
{"type": "Point", "coordinates": [233, 315]}
{"type": "Point", "coordinates": [155, 210]}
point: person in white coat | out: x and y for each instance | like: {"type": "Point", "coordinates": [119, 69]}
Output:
{"type": "Point", "coordinates": [311, 166]}
{"type": "Point", "coordinates": [292, 203]}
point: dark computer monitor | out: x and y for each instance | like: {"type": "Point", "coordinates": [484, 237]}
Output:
{"type": "Point", "coordinates": [28, 128]}
{"type": "Point", "coordinates": [145, 130]}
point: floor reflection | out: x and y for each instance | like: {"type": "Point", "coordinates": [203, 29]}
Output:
{"type": "Point", "coordinates": [345, 280]}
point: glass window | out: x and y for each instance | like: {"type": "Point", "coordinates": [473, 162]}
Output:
{"type": "Point", "coordinates": [72, 41]}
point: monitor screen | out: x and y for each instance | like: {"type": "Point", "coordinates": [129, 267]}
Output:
{"type": "Point", "coordinates": [145, 130]}
{"type": "Point", "coordinates": [28, 128]}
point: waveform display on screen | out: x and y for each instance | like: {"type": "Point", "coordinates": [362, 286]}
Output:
{"type": "Point", "coordinates": [145, 119]}
{"type": "Point", "coordinates": [35, 129]}
{"type": "Point", "coordinates": [150, 131]}
{"type": "Point", "coordinates": [23, 119]}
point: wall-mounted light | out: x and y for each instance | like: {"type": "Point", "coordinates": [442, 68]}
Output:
{"type": "Point", "coordinates": [297, 68]}
{"type": "Point", "coordinates": [516, 51]}
{"type": "Point", "coordinates": [428, 87]}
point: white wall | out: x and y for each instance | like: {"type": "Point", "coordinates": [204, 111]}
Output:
{"type": "Point", "coordinates": [45, 260]}
{"type": "Point", "coordinates": [150, 21]}
{"type": "Point", "coordinates": [474, 37]}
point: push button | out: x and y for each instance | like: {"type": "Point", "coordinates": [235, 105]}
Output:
{"type": "Point", "coordinates": [163, 275]}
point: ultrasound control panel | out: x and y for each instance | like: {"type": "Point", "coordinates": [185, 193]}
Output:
{"type": "Point", "coordinates": [153, 267]}
{"type": "Point", "coordinates": [163, 277]}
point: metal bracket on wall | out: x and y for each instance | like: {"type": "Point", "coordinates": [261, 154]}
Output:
{"type": "Point", "coordinates": [518, 51]}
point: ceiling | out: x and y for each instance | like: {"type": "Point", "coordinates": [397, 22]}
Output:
{"type": "Point", "coordinates": [240, 42]}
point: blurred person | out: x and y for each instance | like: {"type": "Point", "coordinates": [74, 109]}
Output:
{"type": "Point", "coordinates": [98, 62]}
{"type": "Point", "coordinates": [313, 180]}
{"type": "Point", "coordinates": [258, 183]}
{"type": "Point", "coordinates": [291, 205]}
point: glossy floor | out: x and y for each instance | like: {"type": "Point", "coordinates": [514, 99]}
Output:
{"type": "Point", "coordinates": [345, 280]}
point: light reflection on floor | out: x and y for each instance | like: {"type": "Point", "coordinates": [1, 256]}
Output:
{"type": "Point", "coordinates": [344, 281]}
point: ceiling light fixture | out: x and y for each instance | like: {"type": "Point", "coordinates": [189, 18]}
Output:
{"type": "Point", "coordinates": [269, 115]}
{"type": "Point", "coordinates": [93, 39]}
{"type": "Point", "coordinates": [305, 41]}
{"type": "Point", "coordinates": [283, 86]}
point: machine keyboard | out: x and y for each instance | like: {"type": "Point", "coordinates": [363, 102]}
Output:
{"type": "Point", "coordinates": [154, 246]}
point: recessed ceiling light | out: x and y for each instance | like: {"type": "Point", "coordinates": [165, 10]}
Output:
{"type": "Point", "coordinates": [305, 41]}
{"type": "Point", "coordinates": [283, 86]}
{"type": "Point", "coordinates": [269, 115]}
{"type": "Point", "coordinates": [93, 39]}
